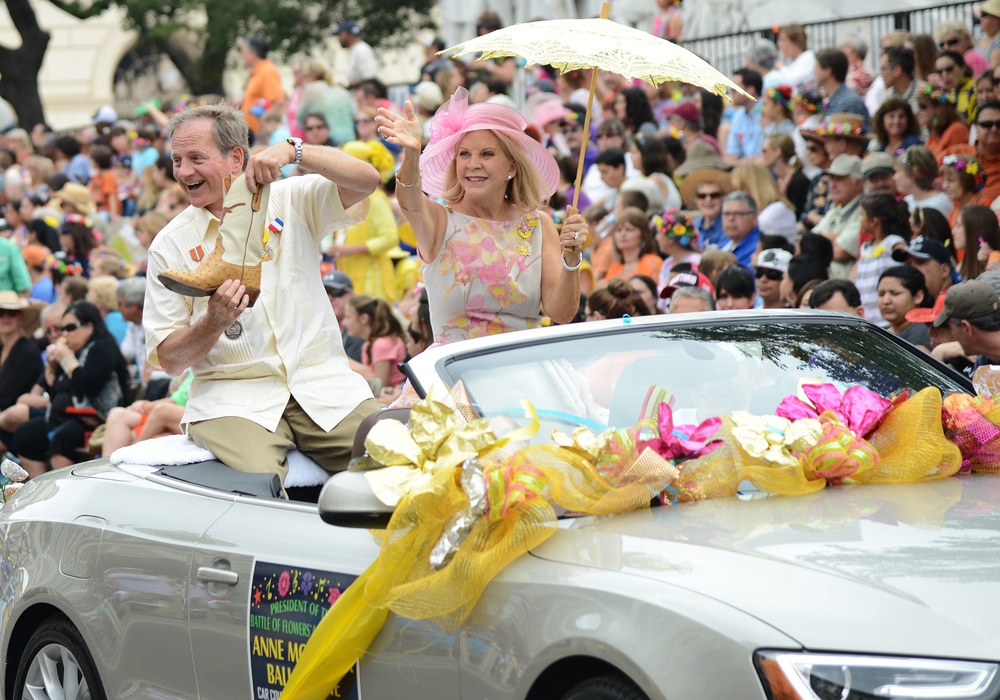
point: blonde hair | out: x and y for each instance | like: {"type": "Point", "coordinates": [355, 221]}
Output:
{"type": "Point", "coordinates": [757, 181]}
{"type": "Point", "coordinates": [40, 168]}
{"type": "Point", "coordinates": [104, 291]}
{"type": "Point", "coordinates": [785, 144]}
{"type": "Point", "coordinates": [318, 70]}
{"type": "Point", "coordinates": [152, 221]}
{"type": "Point", "coordinates": [951, 26]}
{"type": "Point", "coordinates": [523, 190]}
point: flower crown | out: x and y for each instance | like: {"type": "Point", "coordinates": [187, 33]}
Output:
{"type": "Point", "coordinates": [968, 165]}
{"type": "Point", "coordinates": [781, 94]}
{"type": "Point", "coordinates": [809, 99]}
{"type": "Point", "coordinates": [937, 95]}
{"type": "Point", "coordinates": [828, 128]}
{"type": "Point", "coordinates": [675, 226]}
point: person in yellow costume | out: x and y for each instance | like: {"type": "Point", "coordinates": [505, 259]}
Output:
{"type": "Point", "coordinates": [364, 253]}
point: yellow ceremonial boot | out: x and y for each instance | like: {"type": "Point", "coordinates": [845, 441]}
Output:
{"type": "Point", "coordinates": [238, 249]}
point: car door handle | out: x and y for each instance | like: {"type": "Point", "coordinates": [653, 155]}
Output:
{"type": "Point", "coordinates": [207, 574]}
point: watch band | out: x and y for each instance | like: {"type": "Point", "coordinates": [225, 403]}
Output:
{"type": "Point", "coordinates": [297, 144]}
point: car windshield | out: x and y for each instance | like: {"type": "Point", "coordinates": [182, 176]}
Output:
{"type": "Point", "coordinates": [616, 378]}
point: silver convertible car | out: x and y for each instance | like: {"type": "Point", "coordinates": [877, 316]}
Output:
{"type": "Point", "coordinates": [196, 581]}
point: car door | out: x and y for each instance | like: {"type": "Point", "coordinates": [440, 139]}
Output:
{"type": "Point", "coordinates": [263, 576]}
{"type": "Point", "coordinates": [141, 581]}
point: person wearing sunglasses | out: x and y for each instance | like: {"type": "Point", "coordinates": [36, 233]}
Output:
{"type": "Point", "coordinates": [85, 377]}
{"type": "Point", "coordinates": [989, 20]}
{"type": "Point", "coordinates": [772, 264]}
{"type": "Point", "coordinates": [954, 35]}
{"type": "Point", "coordinates": [954, 78]}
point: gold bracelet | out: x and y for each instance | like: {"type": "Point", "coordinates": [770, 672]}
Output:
{"type": "Point", "coordinates": [411, 184]}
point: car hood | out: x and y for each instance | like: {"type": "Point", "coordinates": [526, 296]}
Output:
{"type": "Point", "coordinates": [900, 569]}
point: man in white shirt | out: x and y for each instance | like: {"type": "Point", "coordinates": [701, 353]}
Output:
{"type": "Point", "coordinates": [274, 377]}
{"type": "Point", "coordinates": [361, 62]}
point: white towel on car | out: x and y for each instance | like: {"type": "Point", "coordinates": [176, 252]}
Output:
{"type": "Point", "coordinates": [180, 449]}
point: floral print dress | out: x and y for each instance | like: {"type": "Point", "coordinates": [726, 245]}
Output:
{"type": "Point", "coordinates": [486, 278]}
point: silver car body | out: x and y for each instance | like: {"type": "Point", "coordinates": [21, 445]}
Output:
{"type": "Point", "coordinates": [159, 576]}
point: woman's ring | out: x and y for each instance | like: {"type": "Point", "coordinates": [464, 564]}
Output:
{"type": "Point", "coordinates": [576, 235]}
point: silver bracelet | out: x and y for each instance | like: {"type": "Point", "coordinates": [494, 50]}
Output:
{"type": "Point", "coordinates": [567, 266]}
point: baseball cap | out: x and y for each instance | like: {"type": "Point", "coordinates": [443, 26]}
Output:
{"type": "Point", "coordinates": [923, 248]}
{"type": "Point", "coordinates": [776, 219]}
{"type": "Point", "coordinates": [924, 315]}
{"type": "Point", "coordinates": [337, 282]}
{"type": "Point", "coordinates": [687, 279]}
{"type": "Point", "coordinates": [105, 115]}
{"type": "Point", "coordinates": [349, 26]}
{"type": "Point", "coordinates": [844, 165]}
{"type": "Point", "coordinates": [774, 259]}
{"type": "Point", "coordinates": [968, 300]}
{"type": "Point", "coordinates": [878, 162]}
{"type": "Point", "coordinates": [686, 110]}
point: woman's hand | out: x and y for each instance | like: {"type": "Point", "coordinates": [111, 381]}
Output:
{"type": "Point", "coordinates": [400, 129]}
{"type": "Point", "coordinates": [573, 238]}
{"type": "Point", "coordinates": [57, 352]}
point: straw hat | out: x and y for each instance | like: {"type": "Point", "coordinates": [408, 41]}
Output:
{"type": "Point", "coordinates": [31, 312]}
{"type": "Point", "coordinates": [76, 194]}
{"type": "Point", "coordinates": [691, 183]}
{"type": "Point", "coordinates": [843, 125]}
{"type": "Point", "coordinates": [701, 154]}
{"type": "Point", "coordinates": [457, 117]}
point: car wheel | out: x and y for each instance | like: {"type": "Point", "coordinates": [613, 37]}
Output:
{"type": "Point", "coordinates": [606, 688]}
{"type": "Point", "coordinates": [57, 665]}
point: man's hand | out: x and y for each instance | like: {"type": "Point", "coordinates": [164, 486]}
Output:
{"type": "Point", "coordinates": [265, 167]}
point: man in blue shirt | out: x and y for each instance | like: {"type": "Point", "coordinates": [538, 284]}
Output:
{"type": "Point", "coordinates": [739, 223]}
{"type": "Point", "coordinates": [831, 74]}
{"type": "Point", "coordinates": [746, 136]}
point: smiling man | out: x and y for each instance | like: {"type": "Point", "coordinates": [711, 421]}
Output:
{"type": "Point", "coordinates": [273, 377]}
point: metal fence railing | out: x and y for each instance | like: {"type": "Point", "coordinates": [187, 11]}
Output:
{"type": "Point", "coordinates": [727, 52]}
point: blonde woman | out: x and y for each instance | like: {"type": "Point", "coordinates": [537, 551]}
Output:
{"type": "Point", "coordinates": [779, 156]}
{"type": "Point", "coordinates": [320, 94]}
{"type": "Point", "coordinates": [757, 181]}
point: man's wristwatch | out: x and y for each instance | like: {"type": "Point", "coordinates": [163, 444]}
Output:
{"type": "Point", "coordinates": [297, 144]}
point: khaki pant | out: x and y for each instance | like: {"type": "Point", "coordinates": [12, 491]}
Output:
{"type": "Point", "coordinates": [249, 447]}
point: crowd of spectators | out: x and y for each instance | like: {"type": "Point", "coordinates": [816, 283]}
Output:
{"type": "Point", "coordinates": [835, 188]}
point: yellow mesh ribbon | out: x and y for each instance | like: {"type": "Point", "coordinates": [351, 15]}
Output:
{"type": "Point", "coordinates": [582, 473]}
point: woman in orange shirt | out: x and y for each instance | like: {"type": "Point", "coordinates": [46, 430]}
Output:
{"type": "Point", "coordinates": [634, 246]}
{"type": "Point", "coordinates": [936, 110]}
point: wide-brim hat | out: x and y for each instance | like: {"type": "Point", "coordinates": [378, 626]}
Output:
{"type": "Point", "coordinates": [691, 183]}
{"type": "Point", "coordinates": [990, 7]}
{"type": "Point", "coordinates": [843, 125]}
{"type": "Point", "coordinates": [31, 311]}
{"type": "Point", "coordinates": [456, 118]}
{"type": "Point", "coordinates": [701, 154]}
{"type": "Point", "coordinates": [76, 194]}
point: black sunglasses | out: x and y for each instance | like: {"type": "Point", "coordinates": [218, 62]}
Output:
{"type": "Point", "coordinates": [9, 312]}
{"type": "Point", "coordinates": [69, 327]}
{"type": "Point", "coordinates": [773, 275]}
{"type": "Point", "coordinates": [709, 195]}
{"type": "Point", "coordinates": [986, 124]}
{"type": "Point", "coordinates": [948, 42]}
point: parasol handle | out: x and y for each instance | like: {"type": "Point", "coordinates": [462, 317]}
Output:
{"type": "Point", "coordinates": [605, 11]}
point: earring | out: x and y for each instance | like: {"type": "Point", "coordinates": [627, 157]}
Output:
{"type": "Point", "coordinates": [510, 177]}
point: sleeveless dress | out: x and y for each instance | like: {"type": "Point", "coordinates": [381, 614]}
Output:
{"type": "Point", "coordinates": [486, 278]}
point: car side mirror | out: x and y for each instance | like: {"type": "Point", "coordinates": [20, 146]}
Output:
{"type": "Point", "coordinates": [347, 500]}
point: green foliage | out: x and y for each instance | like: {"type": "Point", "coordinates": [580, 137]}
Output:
{"type": "Point", "coordinates": [291, 27]}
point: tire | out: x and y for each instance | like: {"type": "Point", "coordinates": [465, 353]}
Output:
{"type": "Point", "coordinates": [56, 663]}
{"type": "Point", "coordinates": [606, 688]}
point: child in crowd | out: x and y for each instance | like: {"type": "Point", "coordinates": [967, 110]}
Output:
{"type": "Point", "coordinates": [372, 319]}
{"type": "Point", "coordinates": [104, 184]}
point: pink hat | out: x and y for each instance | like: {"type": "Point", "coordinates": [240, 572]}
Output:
{"type": "Point", "coordinates": [550, 111]}
{"type": "Point", "coordinates": [456, 118]}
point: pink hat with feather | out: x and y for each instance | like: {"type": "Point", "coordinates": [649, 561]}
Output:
{"type": "Point", "coordinates": [456, 118]}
